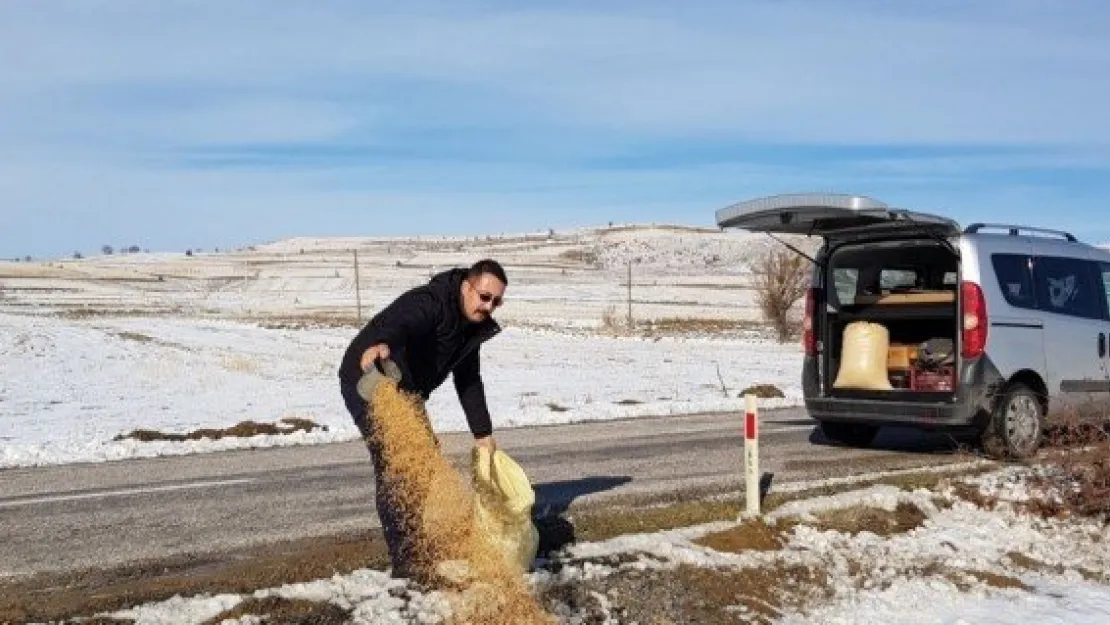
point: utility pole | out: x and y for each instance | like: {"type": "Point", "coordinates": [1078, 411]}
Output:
{"type": "Point", "coordinates": [358, 291]}
{"type": "Point", "coordinates": [630, 295]}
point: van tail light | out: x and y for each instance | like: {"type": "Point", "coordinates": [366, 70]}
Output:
{"type": "Point", "coordinates": [809, 338]}
{"type": "Point", "coordinates": [973, 319]}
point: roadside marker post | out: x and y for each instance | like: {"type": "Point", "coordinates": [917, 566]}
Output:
{"type": "Point", "coordinates": [751, 454]}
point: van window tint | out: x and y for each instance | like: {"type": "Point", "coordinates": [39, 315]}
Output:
{"type": "Point", "coordinates": [1067, 286]}
{"type": "Point", "coordinates": [1015, 279]}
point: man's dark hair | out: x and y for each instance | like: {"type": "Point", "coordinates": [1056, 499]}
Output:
{"type": "Point", "coordinates": [489, 266]}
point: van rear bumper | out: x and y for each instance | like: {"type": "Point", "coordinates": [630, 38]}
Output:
{"type": "Point", "coordinates": [882, 412]}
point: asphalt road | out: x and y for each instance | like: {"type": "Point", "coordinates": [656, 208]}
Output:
{"type": "Point", "coordinates": [99, 515]}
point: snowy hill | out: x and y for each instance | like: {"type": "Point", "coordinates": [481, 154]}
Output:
{"type": "Point", "coordinates": [563, 278]}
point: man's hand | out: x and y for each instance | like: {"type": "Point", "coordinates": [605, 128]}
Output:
{"type": "Point", "coordinates": [379, 351]}
{"type": "Point", "coordinates": [487, 442]}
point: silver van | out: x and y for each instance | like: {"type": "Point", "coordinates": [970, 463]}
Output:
{"type": "Point", "coordinates": [997, 329]}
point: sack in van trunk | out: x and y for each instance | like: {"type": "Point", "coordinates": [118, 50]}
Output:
{"type": "Point", "coordinates": [863, 357]}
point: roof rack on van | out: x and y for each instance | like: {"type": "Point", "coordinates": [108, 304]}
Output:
{"type": "Point", "coordinates": [1016, 230]}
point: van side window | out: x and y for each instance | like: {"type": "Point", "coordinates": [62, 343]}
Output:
{"type": "Point", "coordinates": [1067, 286]}
{"type": "Point", "coordinates": [845, 281]}
{"type": "Point", "coordinates": [1015, 279]}
{"type": "Point", "coordinates": [1106, 283]}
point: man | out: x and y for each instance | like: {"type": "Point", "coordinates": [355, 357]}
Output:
{"type": "Point", "coordinates": [429, 332]}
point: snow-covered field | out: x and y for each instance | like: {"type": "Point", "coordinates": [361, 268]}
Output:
{"type": "Point", "coordinates": [69, 386]}
{"type": "Point", "coordinates": [91, 349]}
{"type": "Point", "coordinates": [961, 560]}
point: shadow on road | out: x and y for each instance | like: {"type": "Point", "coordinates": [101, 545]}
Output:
{"type": "Point", "coordinates": [553, 499]}
{"type": "Point", "coordinates": [909, 440]}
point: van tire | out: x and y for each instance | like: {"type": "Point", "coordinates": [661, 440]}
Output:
{"type": "Point", "coordinates": [849, 434]}
{"type": "Point", "coordinates": [1016, 425]}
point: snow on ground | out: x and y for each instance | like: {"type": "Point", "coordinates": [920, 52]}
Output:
{"type": "Point", "coordinates": [69, 386]}
{"type": "Point", "coordinates": [173, 342]}
{"type": "Point", "coordinates": [963, 565]}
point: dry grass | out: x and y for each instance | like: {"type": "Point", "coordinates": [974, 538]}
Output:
{"type": "Point", "coordinates": [51, 597]}
{"type": "Point", "coordinates": [640, 515]}
{"type": "Point", "coordinates": [436, 511]}
{"type": "Point", "coordinates": [694, 325]}
{"type": "Point", "coordinates": [966, 580]}
{"type": "Point", "coordinates": [995, 580]}
{"type": "Point", "coordinates": [35, 270]}
{"type": "Point", "coordinates": [856, 519]}
{"type": "Point", "coordinates": [243, 429]}
{"type": "Point", "coordinates": [314, 321]}
{"type": "Point", "coordinates": [758, 535]}
{"type": "Point", "coordinates": [755, 535]}
{"type": "Point", "coordinates": [689, 594]}
{"type": "Point", "coordinates": [240, 364]}
{"type": "Point", "coordinates": [138, 337]}
{"type": "Point", "coordinates": [95, 312]}
{"type": "Point", "coordinates": [763, 391]}
{"type": "Point", "coordinates": [909, 482]}
{"type": "Point", "coordinates": [974, 495]}
{"type": "Point", "coordinates": [580, 256]}
{"type": "Point", "coordinates": [1078, 447]}
{"type": "Point", "coordinates": [601, 525]}
{"type": "Point", "coordinates": [1023, 561]}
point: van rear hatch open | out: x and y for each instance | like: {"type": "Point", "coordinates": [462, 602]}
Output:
{"type": "Point", "coordinates": [890, 267]}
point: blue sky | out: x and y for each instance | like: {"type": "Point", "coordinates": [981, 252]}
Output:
{"type": "Point", "coordinates": [174, 125]}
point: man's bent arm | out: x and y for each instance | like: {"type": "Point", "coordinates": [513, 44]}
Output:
{"type": "Point", "coordinates": [472, 395]}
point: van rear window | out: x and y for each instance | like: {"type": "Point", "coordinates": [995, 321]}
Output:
{"type": "Point", "coordinates": [1015, 278]}
{"type": "Point", "coordinates": [863, 272]}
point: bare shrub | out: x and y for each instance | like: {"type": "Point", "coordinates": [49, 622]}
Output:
{"type": "Point", "coordinates": [781, 279]}
{"type": "Point", "coordinates": [611, 321]}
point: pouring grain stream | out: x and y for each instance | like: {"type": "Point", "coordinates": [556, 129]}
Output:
{"type": "Point", "coordinates": [437, 509]}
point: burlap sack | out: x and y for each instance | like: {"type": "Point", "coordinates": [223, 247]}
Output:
{"type": "Point", "coordinates": [863, 358]}
{"type": "Point", "coordinates": [503, 506]}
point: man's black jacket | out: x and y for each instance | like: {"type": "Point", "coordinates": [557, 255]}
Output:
{"type": "Point", "coordinates": [429, 339]}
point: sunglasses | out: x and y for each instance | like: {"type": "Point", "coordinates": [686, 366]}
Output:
{"type": "Point", "coordinates": [489, 297]}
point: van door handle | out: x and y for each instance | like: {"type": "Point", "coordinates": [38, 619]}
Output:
{"type": "Point", "coordinates": [1101, 345]}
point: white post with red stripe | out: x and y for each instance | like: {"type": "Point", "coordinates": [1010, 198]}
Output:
{"type": "Point", "coordinates": [751, 454]}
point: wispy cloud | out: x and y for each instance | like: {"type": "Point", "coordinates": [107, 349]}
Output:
{"type": "Point", "coordinates": [274, 118]}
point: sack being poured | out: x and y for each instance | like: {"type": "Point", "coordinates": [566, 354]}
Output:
{"type": "Point", "coordinates": [479, 540]}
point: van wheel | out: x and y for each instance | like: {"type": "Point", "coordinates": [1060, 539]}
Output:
{"type": "Point", "coordinates": [1016, 425]}
{"type": "Point", "coordinates": [851, 434]}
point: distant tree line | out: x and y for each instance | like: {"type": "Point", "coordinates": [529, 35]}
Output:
{"type": "Point", "coordinates": [108, 250]}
